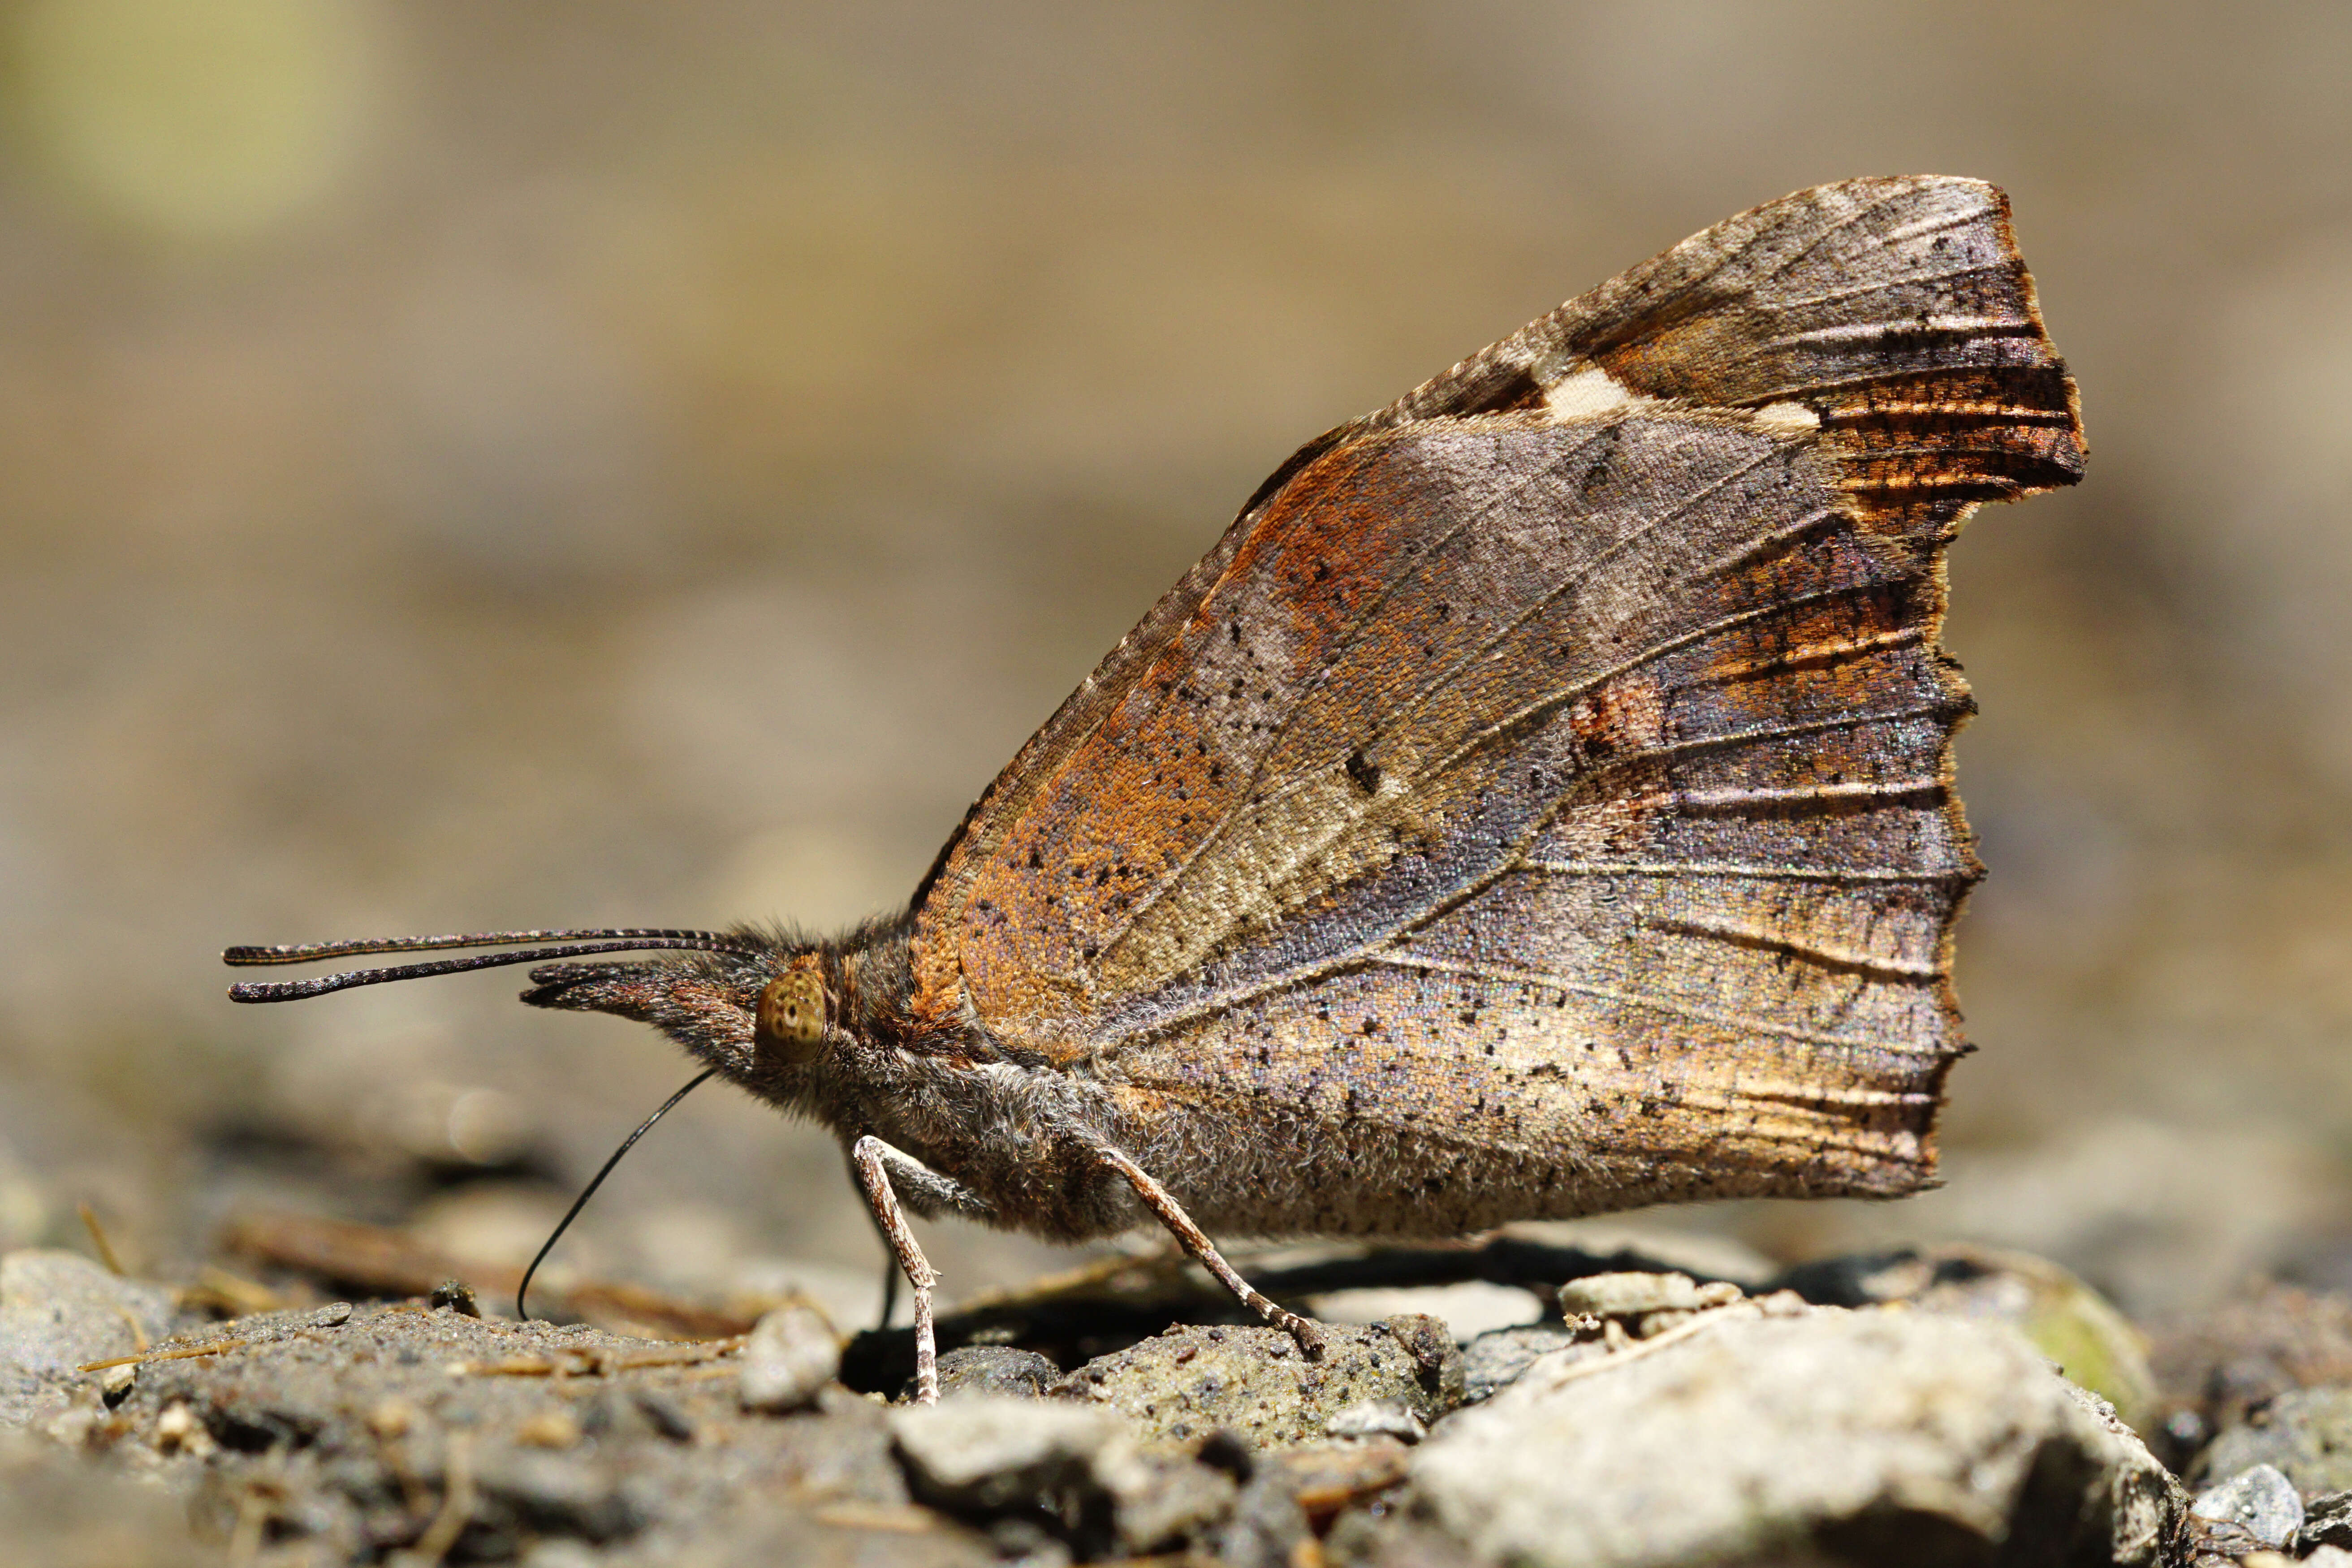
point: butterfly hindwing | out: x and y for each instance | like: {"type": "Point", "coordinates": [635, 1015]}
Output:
{"type": "Point", "coordinates": [1661, 908]}
{"type": "Point", "coordinates": [1544, 787]}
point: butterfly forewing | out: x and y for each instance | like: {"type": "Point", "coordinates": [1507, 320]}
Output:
{"type": "Point", "coordinates": [1539, 801]}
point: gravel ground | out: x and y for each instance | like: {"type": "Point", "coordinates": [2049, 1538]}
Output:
{"type": "Point", "coordinates": [1888, 1408]}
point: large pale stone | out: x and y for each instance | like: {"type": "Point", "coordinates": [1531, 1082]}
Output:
{"type": "Point", "coordinates": [1873, 1436]}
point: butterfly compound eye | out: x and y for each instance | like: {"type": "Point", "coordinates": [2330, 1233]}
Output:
{"type": "Point", "coordinates": [792, 1013]}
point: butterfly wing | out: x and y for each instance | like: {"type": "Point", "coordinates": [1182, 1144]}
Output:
{"type": "Point", "coordinates": [1539, 801]}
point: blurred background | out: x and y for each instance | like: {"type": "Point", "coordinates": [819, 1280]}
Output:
{"type": "Point", "coordinates": [472, 466]}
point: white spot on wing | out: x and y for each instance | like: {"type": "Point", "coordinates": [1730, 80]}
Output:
{"type": "Point", "coordinates": [1788, 416]}
{"type": "Point", "coordinates": [1587, 393]}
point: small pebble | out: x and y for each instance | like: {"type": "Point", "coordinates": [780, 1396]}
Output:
{"type": "Point", "coordinates": [2327, 1519]}
{"type": "Point", "coordinates": [792, 1352]}
{"type": "Point", "coordinates": [1378, 1418]}
{"type": "Point", "coordinates": [1631, 1295]}
{"type": "Point", "coordinates": [1158, 1497]}
{"type": "Point", "coordinates": [2261, 1501]}
{"type": "Point", "coordinates": [392, 1418]}
{"type": "Point", "coordinates": [990, 1453]}
{"type": "Point", "coordinates": [663, 1415]}
{"type": "Point", "coordinates": [455, 1295]}
{"type": "Point", "coordinates": [178, 1431]}
{"type": "Point", "coordinates": [549, 1429]}
{"type": "Point", "coordinates": [2305, 1433]}
{"type": "Point", "coordinates": [1434, 1351]}
{"type": "Point", "coordinates": [333, 1315]}
{"type": "Point", "coordinates": [114, 1385]}
{"type": "Point", "coordinates": [1251, 1381]}
{"type": "Point", "coordinates": [1494, 1361]}
{"type": "Point", "coordinates": [996, 1369]}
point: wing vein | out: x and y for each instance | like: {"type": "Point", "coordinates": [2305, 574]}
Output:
{"type": "Point", "coordinates": [1734, 799]}
{"type": "Point", "coordinates": [1931, 225]}
{"type": "Point", "coordinates": [1812, 952]}
{"type": "Point", "coordinates": [1812, 654]}
{"type": "Point", "coordinates": [1647, 1001]}
{"type": "Point", "coordinates": [1570, 695]}
{"type": "Point", "coordinates": [1829, 232]}
{"type": "Point", "coordinates": [1113, 937]}
{"type": "Point", "coordinates": [1879, 285]}
{"type": "Point", "coordinates": [1764, 544]}
{"type": "Point", "coordinates": [1732, 869]}
{"type": "Point", "coordinates": [1930, 326]}
{"type": "Point", "coordinates": [1720, 799]}
{"type": "Point", "coordinates": [1560, 697]}
{"type": "Point", "coordinates": [1735, 738]}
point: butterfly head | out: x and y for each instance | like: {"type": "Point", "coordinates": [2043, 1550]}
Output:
{"type": "Point", "coordinates": [766, 1016]}
{"type": "Point", "coordinates": [765, 1010]}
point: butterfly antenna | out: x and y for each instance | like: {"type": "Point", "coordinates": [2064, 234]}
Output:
{"type": "Point", "coordinates": [577, 943]}
{"type": "Point", "coordinates": [305, 952]}
{"type": "Point", "coordinates": [589, 1190]}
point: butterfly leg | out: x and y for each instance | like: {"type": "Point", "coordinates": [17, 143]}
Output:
{"type": "Point", "coordinates": [890, 1271]}
{"type": "Point", "coordinates": [875, 1162]}
{"type": "Point", "coordinates": [1162, 1203]}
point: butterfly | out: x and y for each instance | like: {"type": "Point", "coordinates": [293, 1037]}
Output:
{"type": "Point", "coordinates": [1538, 801]}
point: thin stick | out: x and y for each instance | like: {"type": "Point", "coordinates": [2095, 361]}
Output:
{"type": "Point", "coordinates": [253, 1512]}
{"type": "Point", "coordinates": [589, 1190]}
{"type": "Point", "coordinates": [98, 1239]}
{"type": "Point", "coordinates": [457, 1503]}
{"type": "Point", "coordinates": [593, 1362]}
{"type": "Point", "coordinates": [178, 1353]}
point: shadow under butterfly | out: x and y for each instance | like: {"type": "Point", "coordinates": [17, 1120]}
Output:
{"type": "Point", "coordinates": [1539, 803]}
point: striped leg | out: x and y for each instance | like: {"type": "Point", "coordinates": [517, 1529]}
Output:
{"type": "Point", "coordinates": [1205, 1251]}
{"type": "Point", "coordinates": [874, 1164]}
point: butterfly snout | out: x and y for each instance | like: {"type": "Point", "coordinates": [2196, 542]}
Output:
{"type": "Point", "coordinates": [711, 1013]}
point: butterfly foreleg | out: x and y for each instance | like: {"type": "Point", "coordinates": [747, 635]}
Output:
{"type": "Point", "coordinates": [876, 1164]}
{"type": "Point", "coordinates": [1195, 1240]}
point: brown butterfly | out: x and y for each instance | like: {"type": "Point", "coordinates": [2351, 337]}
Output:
{"type": "Point", "coordinates": [1539, 801]}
